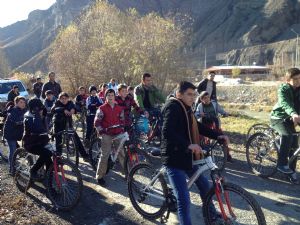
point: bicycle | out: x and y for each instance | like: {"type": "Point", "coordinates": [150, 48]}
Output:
{"type": "Point", "coordinates": [233, 204]}
{"type": "Point", "coordinates": [80, 119]}
{"type": "Point", "coordinates": [262, 150]}
{"type": "Point", "coordinates": [63, 179]}
{"type": "Point", "coordinates": [256, 128]}
{"type": "Point", "coordinates": [133, 154]}
{"type": "Point", "coordinates": [154, 136]}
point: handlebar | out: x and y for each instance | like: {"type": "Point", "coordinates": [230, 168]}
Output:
{"type": "Point", "coordinates": [115, 126]}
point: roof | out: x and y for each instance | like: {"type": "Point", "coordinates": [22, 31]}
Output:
{"type": "Point", "coordinates": [240, 67]}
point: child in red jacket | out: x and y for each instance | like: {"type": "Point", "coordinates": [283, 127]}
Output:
{"type": "Point", "coordinates": [109, 114]}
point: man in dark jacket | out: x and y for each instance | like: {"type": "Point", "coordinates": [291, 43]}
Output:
{"type": "Point", "coordinates": [208, 84]}
{"type": "Point", "coordinates": [180, 140]}
{"type": "Point", "coordinates": [14, 92]}
{"type": "Point", "coordinates": [36, 137]}
{"type": "Point", "coordinates": [51, 85]}
{"type": "Point", "coordinates": [37, 87]}
{"type": "Point", "coordinates": [62, 111]}
{"type": "Point", "coordinates": [13, 128]}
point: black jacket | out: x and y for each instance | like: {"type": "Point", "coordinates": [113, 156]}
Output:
{"type": "Point", "coordinates": [54, 87]}
{"type": "Point", "coordinates": [175, 137]}
{"type": "Point", "coordinates": [202, 87]}
{"type": "Point", "coordinates": [37, 89]}
{"type": "Point", "coordinates": [11, 96]}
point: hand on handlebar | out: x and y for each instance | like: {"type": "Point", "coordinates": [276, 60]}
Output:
{"type": "Point", "coordinates": [196, 150]}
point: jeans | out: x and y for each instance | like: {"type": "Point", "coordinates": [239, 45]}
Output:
{"type": "Point", "coordinates": [12, 144]}
{"type": "Point", "coordinates": [177, 178]}
{"type": "Point", "coordinates": [288, 142]}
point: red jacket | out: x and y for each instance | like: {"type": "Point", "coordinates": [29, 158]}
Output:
{"type": "Point", "coordinates": [107, 116]}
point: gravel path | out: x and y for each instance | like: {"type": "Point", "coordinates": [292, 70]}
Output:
{"type": "Point", "coordinates": [280, 200]}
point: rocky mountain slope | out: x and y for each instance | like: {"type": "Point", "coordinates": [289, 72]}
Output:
{"type": "Point", "coordinates": [217, 26]}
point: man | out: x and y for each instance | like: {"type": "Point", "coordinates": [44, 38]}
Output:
{"type": "Point", "coordinates": [208, 84]}
{"type": "Point", "coordinates": [37, 87]}
{"type": "Point", "coordinates": [113, 85]}
{"type": "Point", "coordinates": [51, 85]}
{"type": "Point", "coordinates": [109, 114]}
{"type": "Point", "coordinates": [147, 95]}
{"type": "Point", "coordinates": [14, 92]}
{"type": "Point", "coordinates": [180, 140]}
{"type": "Point", "coordinates": [284, 117]}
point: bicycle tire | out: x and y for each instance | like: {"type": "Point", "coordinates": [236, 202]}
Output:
{"type": "Point", "coordinates": [54, 192]}
{"type": "Point", "coordinates": [132, 188]}
{"type": "Point", "coordinates": [219, 156]}
{"type": "Point", "coordinates": [72, 154]}
{"type": "Point", "coordinates": [95, 152]}
{"type": "Point", "coordinates": [260, 147]}
{"type": "Point", "coordinates": [4, 148]}
{"type": "Point", "coordinates": [21, 169]}
{"type": "Point", "coordinates": [137, 156]}
{"type": "Point", "coordinates": [232, 190]}
{"type": "Point", "coordinates": [255, 128]}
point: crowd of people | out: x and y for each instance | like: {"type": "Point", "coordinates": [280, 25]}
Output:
{"type": "Point", "coordinates": [184, 120]}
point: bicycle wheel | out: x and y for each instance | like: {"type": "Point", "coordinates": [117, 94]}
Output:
{"type": "Point", "coordinates": [64, 187]}
{"type": "Point", "coordinates": [134, 156]}
{"type": "Point", "coordinates": [95, 152]}
{"type": "Point", "coordinates": [4, 149]}
{"type": "Point", "coordinates": [262, 154]}
{"type": "Point", "coordinates": [148, 201]}
{"type": "Point", "coordinates": [21, 164]}
{"type": "Point", "coordinates": [71, 149]}
{"type": "Point", "coordinates": [219, 155]}
{"type": "Point", "coordinates": [257, 128]}
{"type": "Point", "coordinates": [239, 207]}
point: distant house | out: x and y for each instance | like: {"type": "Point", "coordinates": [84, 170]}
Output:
{"type": "Point", "coordinates": [246, 71]}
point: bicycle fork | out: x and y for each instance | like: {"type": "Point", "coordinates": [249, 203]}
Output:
{"type": "Point", "coordinates": [56, 169]}
{"type": "Point", "coordinates": [219, 192]}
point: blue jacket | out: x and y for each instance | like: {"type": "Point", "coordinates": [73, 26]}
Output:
{"type": "Point", "coordinates": [92, 104]}
{"type": "Point", "coordinates": [13, 128]}
{"type": "Point", "coordinates": [35, 131]}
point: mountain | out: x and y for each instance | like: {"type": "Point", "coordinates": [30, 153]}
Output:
{"type": "Point", "coordinates": [217, 27]}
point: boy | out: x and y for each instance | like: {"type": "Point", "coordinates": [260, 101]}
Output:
{"type": "Point", "coordinates": [80, 99]}
{"type": "Point", "coordinates": [207, 113]}
{"type": "Point", "coordinates": [284, 117]}
{"type": "Point", "coordinates": [36, 136]}
{"type": "Point", "coordinates": [101, 93]}
{"type": "Point", "coordinates": [48, 103]}
{"type": "Point", "coordinates": [127, 103]}
{"type": "Point", "coordinates": [92, 103]}
{"type": "Point", "coordinates": [62, 111]}
{"type": "Point", "coordinates": [13, 127]}
{"type": "Point", "coordinates": [130, 91]}
{"type": "Point", "coordinates": [109, 114]}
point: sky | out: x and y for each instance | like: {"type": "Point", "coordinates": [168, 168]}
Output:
{"type": "Point", "coordinates": [12, 11]}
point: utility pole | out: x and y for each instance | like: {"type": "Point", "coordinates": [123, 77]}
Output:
{"type": "Point", "coordinates": [297, 48]}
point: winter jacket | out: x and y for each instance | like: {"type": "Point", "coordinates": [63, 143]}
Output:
{"type": "Point", "coordinates": [288, 102]}
{"type": "Point", "coordinates": [127, 104]}
{"type": "Point", "coordinates": [175, 136]}
{"type": "Point", "coordinates": [218, 110]}
{"type": "Point", "coordinates": [58, 111]}
{"type": "Point", "coordinates": [108, 116]}
{"type": "Point", "coordinates": [11, 96]}
{"type": "Point", "coordinates": [92, 104]}
{"type": "Point", "coordinates": [154, 96]}
{"type": "Point", "coordinates": [13, 127]}
{"type": "Point", "coordinates": [53, 86]}
{"type": "Point", "coordinates": [80, 100]}
{"type": "Point", "coordinates": [35, 131]}
{"type": "Point", "coordinates": [202, 87]}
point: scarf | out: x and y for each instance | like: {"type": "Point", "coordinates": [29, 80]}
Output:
{"type": "Point", "coordinates": [193, 131]}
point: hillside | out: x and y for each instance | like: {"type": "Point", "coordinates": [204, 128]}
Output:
{"type": "Point", "coordinates": [217, 26]}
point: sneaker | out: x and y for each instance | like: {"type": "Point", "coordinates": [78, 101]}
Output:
{"type": "Point", "coordinates": [284, 169]}
{"type": "Point", "coordinates": [101, 182]}
{"type": "Point", "coordinates": [293, 178]}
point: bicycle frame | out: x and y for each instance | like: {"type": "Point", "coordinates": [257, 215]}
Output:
{"type": "Point", "coordinates": [124, 137]}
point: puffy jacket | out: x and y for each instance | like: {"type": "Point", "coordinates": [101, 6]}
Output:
{"type": "Point", "coordinates": [108, 116]}
{"type": "Point", "coordinates": [13, 128]}
{"type": "Point", "coordinates": [154, 95]}
{"type": "Point", "coordinates": [35, 131]}
{"type": "Point", "coordinates": [92, 104]}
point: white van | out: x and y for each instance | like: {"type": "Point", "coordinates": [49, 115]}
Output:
{"type": "Point", "coordinates": [6, 85]}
